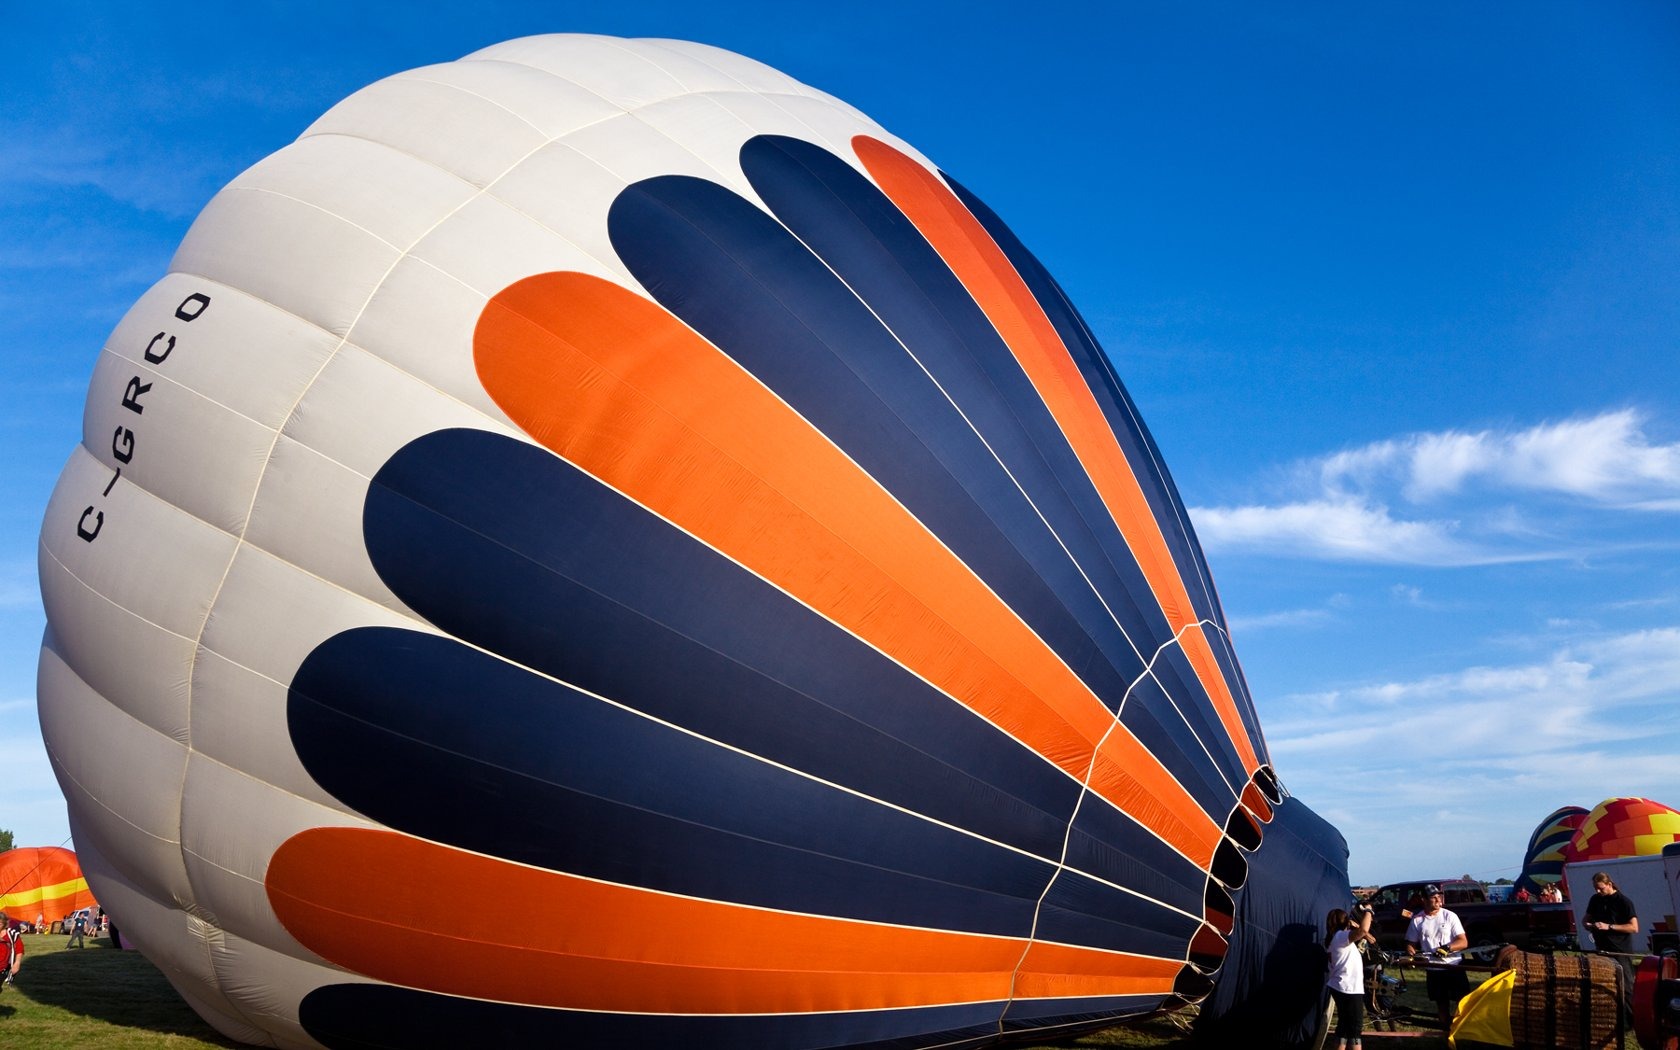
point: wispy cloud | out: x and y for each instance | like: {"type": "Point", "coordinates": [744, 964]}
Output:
{"type": "Point", "coordinates": [1410, 596]}
{"type": "Point", "coordinates": [1603, 458]}
{"type": "Point", "coordinates": [1460, 495]}
{"type": "Point", "coordinates": [34, 804]}
{"type": "Point", "coordinates": [1284, 618]}
{"type": "Point", "coordinates": [18, 586]}
{"type": "Point", "coordinates": [1594, 675]}
{"type": "Point", "coordinates": [173, 182]}
{"type": "Point", "coordinates": [1594, 718]}
{"type": "Point", "coordinates": [1342, 528]}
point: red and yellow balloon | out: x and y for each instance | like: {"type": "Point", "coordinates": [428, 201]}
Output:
{"type": "Point", "coordinates": [1624, 827]}
{"type": "Point", "coordinates": [42, 882]}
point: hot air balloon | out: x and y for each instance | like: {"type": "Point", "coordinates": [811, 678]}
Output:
{"type": "Point", "coordinates": [42, 882]}
{"type": "Point", "coordinates": [1543, 860]}
{"type": "Point", "coordinates": [612, 483]}
{"type": "Point", "coordinates": [1624, 827]}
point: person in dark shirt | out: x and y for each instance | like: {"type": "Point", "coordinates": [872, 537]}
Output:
{"type": "Point", "coordinates": [1610, 916]}
{"type": "Point", "coordinates": [1612, 921]}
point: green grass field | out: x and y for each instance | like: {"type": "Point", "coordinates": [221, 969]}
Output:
{"type": "Point", "coordinates": [98, 998]}
{"type": "Point", "coordinates": [95, 997]}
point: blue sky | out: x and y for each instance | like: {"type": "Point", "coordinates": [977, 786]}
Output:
{"type": "Point", "coordinates": [1396, 286]}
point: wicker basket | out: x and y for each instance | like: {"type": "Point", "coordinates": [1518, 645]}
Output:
{"type": "Point", "coordinates": [1561, 1002]}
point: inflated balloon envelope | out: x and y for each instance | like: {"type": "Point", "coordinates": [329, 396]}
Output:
{"type": "Point", "coordinates": [598, 541]}
{"type": "Point", "coordinates": [41, 882]}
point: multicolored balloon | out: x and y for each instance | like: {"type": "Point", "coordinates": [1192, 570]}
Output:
{"type": "Point", "coordinates": [599, 542]}
{"type": "Point", "coordinates": [1543, 860]}
{"type": "Point", "coordinates": [42, 882]}
{"type": "Point", "coordinates": [1624, 827]}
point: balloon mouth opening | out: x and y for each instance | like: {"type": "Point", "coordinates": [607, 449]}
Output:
{"type": "Point", "coordinates": [1243, 829]}
{"type": "Point", "coordinates": [1219, 909]}
{"type": "Point", "coordinates": [1255, 802]}
{"type": "Point", "coordinates": [1207, 949]}
{"type": "Point", "coordinates": [1230, 867]}
{"type": "Point", "coordinates": [1192, 985]}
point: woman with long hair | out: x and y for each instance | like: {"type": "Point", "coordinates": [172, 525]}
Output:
{"type": "Point", "coordinates": [1343, 934]}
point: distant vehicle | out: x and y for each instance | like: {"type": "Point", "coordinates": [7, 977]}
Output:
{"type": "Point", "coordinates": [1525, 924]}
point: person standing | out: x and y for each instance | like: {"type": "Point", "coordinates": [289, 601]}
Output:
{"type": "Point", "coordinates": [1612, 921]}
{"type": "Point", "coordinates": [1343, 936]}
{"type": "Point", "coordinates": [1610, 916]}
{"type": "Point", "coordinates": [78, 927]}
{"type": "Point", "coordinates": [11, 951]}
{"type": "Point", "coordinates": [1437, 933]}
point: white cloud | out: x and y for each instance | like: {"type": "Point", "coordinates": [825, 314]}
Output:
{"type": "Point", "coordinates": [1493, 714]}
{"type": "Point", "coordinates": [25, 753]}
{"type": "Point", "coordinates": [1285, 618]}
{"type": "Point", "coordinates": [1341, 506]}
{"type": "Point", "coordinates": [1483, 746]}
{"type": "Point", "coordinates": [1408, 595]}
{"type": "Point", "coordinates": [1605, 458]}
{"type": "Point", "coordinates": [1601, 458]}
{"type": "Point", "coordinates": [1337, 529]}
{"type": "Point", "coordinates": [34, 806]}
{"type": "Point", "coordinates": [1641, 603]}
{"type": "Point", "coordinates": [19, 587]}
{"type": "Point", "coordinates": [16, 594]}
{"type": "Point", "coordinates": [174, 182]}
{"type": "Point", "coordinates": [1441, 462]}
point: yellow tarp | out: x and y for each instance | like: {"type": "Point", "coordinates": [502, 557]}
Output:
{"type": "Point", "coordinates": [1485, 1014]}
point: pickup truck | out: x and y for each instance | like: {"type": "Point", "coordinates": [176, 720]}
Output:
{"type": "Point", "coordinates": [1525, 924]}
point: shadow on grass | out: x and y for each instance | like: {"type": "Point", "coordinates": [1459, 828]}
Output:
{"type": "Point", "coordinates": [116, 987]}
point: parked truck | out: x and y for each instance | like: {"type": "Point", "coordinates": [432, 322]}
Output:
{"type": "Point", "coordinates": [1526, 924]}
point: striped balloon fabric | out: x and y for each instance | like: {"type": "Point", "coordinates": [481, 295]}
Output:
{"type": "Point", "coordinates": [634, 552]}
{"type": "Point", "coordinates": [1543, 860]}
{"type": "Point", "coordinates": [42, 883]}
{"type": "Point", "coordinates": [1624, 827]}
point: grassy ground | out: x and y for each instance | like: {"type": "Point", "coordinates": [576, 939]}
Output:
{"type": "Point", "coordinates": [99, 998]}
{"type": "Point", "coordinates": [95, 998]}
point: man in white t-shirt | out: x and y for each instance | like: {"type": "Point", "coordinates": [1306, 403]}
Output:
{"type": "Point", "coordinates": [1437, 933]}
